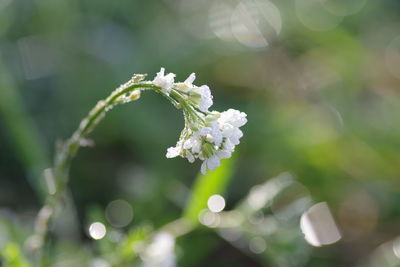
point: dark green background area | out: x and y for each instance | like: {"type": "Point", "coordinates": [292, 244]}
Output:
{"type": "Point", "coordinates": [321, 105]}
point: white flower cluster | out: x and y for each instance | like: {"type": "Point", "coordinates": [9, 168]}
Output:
{"type": "Point", "coordinates": [208, 136]}
{"type": "Point", "coordinates": [198, 96]}
{"type": "Point", "coordinates": [164, 81]}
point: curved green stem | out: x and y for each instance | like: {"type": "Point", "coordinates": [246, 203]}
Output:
{"type": "Point", "coordinates": [66, 151]}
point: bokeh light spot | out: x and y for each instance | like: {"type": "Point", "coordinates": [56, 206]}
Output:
{"type": "Point", "coordinates": [318, 226]}
{"type": "Point", "coordinates": [396, 247]}
{"type": "Point", "coordinates": [220, 20]}
{"type": "Point", "coordinates": [99, 262]}
{"type": "Point", "coordinates": [97, 230]}
{"type": "Point", "coordinates": [257, 245]}
{"type": "Point", "coordinates": [216, 203]}
{"type": "Point", "coordinates": [209, 219]}
{"type": "Point", "coordinates": [343, 7]}
{"type": "Point", "coordinates": [119, 213]}
{"type": "Point", "coordinates": [255, 22]}
{"type": "Point", "coordinates": [314, 16]}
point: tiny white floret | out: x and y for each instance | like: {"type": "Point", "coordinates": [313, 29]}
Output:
{"type": "Point", "coordinates": [164, 81]}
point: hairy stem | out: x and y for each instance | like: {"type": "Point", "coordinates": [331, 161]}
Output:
{"type": "Point", "coordinates": [64, 154]}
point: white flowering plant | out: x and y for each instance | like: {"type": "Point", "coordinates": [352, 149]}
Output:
{"type": "Point", "coordinates": [208, 135]}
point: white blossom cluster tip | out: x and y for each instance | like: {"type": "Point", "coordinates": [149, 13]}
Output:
{"type": "Point", "coordinates": [208, 135]}
{"type": "Point", "coordinates": [200, 97]}
{"type": "Point", "coordinates": [164, 81]}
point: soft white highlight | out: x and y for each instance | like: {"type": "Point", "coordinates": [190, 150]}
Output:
{"type": "Point", "coordinates": [160, 252]}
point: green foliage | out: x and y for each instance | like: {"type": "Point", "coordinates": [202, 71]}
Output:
{"type": "Point", "coordinates": [12, 256]}
{"type": "Point", "coordinates": [22, 131]}
{"type": "Point", "coordinates": [322, 105]}
{"type": "Point", "coordinates": [214, 182]}
{"type": "Point", "coordinates": [136, 238]}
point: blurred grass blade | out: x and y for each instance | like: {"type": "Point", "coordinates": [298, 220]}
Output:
{"type": "Point", "coordinates": [214, 182]}
{"type": "Point", "coordinates": [12, 256]}
{"type": "Point", "coordinates": [135, 239]}
{"type": "Point", "coordinates": [22, 131]}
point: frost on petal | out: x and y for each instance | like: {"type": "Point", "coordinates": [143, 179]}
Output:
{"type": "Point", "coordinates": [226, 150]}
{"type": "Point", "coordinates": [226, 129]}
{"type": "Point", "coordinates": [196, 146]}
{"type": "Point", "coordinates": [210, 163]}
{"type": "Point", "coordinates": [203, 168]}
{"type": "Point", "coordinates": [224, 154]}
{"type": "Point", "coordinates": [208, 136]}
{"type": "Point", "coordinates": [190, 156]}
{"type": "Point", "coordinates": [192, 143]}
{"type": "Point", "coordinates": [230, 121]}
{"type": "Point", "coordinates": [189, 81]}
{"type": "Point", "coordinates": [173, 152]}
{"type": "Point", "coordinates": [187, 144]}
{"type": "Point", "coordinates": [233, 117]}
{"type": "Point", "coordinates": [206, 98]}
{"type": "Point", "coordinates": [204, 131]}
{"type": "Point", "coordinates": [213, 162]}
{"type": "Point", "coordinates": [228, 145]}
{"type": "Point", "coordinates": [164, 81]}
{"type": "Point", "coordinates": [234, 136]}
{"type": "Point", "coordinates": [216, 133]}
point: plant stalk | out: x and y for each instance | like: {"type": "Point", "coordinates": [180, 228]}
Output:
{"type": "Point", "coordinates": [64, 154]}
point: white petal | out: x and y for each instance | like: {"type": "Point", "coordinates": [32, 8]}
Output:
{"type": "Point", "coordinates": [204, 131]}
{"type": "Point", "coordinates": [224, 154]}
{"type": "Point", "coordinates": [204, 167]}
{"type": "Point", "coordinates": [196, 147]}
{"type": "Point", "coordinates": [190, 157]}
{"type": "Point", "coordinates": [235, 136]}
{"type": "Point", "coordinates": [233, 117]}
{"type": "Point", "coordinates": [173, 152]}
{"type": "Point", "coordinates": [188, 144]}
{"type": "Point", "coordinates": [189, 81]}
{"type": "Point", "coordinates": [213, 162]}
{"type": "Point", "coordinates": [164, 81]}
{"type": "Point", "coordinates": [206, 98]}
{"type": "Point", "coordinates": [216, 133]}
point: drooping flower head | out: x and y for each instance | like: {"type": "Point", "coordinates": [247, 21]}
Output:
{"type": "Point", "coordinates": [208, 135]}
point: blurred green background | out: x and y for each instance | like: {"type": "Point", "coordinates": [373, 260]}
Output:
{"type": "Point", "coordinates": [319, 80]}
